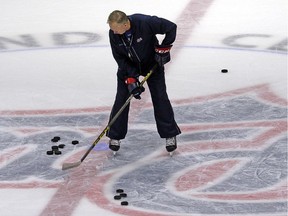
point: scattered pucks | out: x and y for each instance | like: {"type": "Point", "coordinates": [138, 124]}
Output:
{"type": "Point", "coordinates": [117, 197]}
{"type": "Point", "coordinates": [57, 152]}
{"type": "Point", "coordinates": [123, 194]}
{"type": "Point", "coordinates": [224, 71]}
{"type": "Point", "coordinates": [54, 140]}
{"type": "Point", "coordinates": [119, 191]}
{"type": "Point", "coordinates": [49, 152]}
{"type": "Point", "coordinates": [54, 148]}
{"type": "Point", "coordinates": [124, 203]}
{"type": "Point", "coordinates": [75, 142]}
{"type": "Point", "coordinates": [61, 146]}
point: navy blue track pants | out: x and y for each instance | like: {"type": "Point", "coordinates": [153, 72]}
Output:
{"type": "Point", "coordinates": [163, 111]}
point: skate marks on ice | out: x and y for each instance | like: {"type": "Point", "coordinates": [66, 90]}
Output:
{"type": "Point", "coordinates": [231, 158]}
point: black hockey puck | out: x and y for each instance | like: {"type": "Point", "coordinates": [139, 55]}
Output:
{"type": "Point", "coordinates": [54, 148]}
{"type": "Point", "coordinates": [117, 197]}
{"type": "Point", "coordinates": [49, 152]}
{"type": "Point", "coordinates": [57, 137]}
{"type": "Point", "coordinates": [224, 71]}
{"type": "Point", "coordinates": [123, 194]}
{"type": "Point", "coordinates": [61, 146]}
{"type": "Point", "coordinates": [57, 152]}
{"type": "Point", "coordinates": [124, 203]}
{"type": "Point", "coordinates": [54, 140]}
{"type": "Point", "coordinates": [119, 191]}
{"type": "Point", "coordinates": [75, 142]}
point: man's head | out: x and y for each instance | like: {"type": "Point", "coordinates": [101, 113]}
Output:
{"type": "Point", "coordinates": [118, 22]}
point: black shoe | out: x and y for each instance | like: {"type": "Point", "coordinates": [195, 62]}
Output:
{"type": "Point", "coordinates": [171, 144]}
{"type": "Point", "coordinates": [114, 145]}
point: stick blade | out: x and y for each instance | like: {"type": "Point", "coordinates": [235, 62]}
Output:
{"type": "Point", "coordinates": [66, 166]}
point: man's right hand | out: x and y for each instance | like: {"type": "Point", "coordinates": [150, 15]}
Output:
{"type": "Point", "coordinates": [134, 87]}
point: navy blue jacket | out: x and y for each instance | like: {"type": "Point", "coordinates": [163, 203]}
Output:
{"type": "Point", "coordinates": [136, 57]}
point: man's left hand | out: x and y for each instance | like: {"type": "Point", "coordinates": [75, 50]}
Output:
{"type": "Point", "coordinates": [162, 54]}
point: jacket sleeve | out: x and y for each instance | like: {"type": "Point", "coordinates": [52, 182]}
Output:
{"type": "Point", "coordinates": [163, 26]}
{"type": "Point", "coordinates": [125, 66]}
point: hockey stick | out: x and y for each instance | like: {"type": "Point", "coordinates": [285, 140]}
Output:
{"type": "Point", "coordinates": [66, 166]}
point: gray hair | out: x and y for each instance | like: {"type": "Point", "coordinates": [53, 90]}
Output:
{"type": "Point", "coordinates": [117, 16]}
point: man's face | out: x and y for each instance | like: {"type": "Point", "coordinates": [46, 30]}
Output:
{"type": "Point", "coordinates": [118, 28]}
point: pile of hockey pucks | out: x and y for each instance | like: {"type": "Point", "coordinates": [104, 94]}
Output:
{"type": "Point", "coordinates": [119, 195]}
{"type": "Point", "coordinates": [55, 149]}
{"type": "Point", "coordinates": [224, 70]}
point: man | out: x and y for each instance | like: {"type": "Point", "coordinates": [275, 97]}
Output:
{"type": "Point", "coordinates": [136, 50]}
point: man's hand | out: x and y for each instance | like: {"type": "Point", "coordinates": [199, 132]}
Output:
{"type": "Point", "coordinates": [162, 54]}
{"type": "Point", "coordinates": [134, 87]}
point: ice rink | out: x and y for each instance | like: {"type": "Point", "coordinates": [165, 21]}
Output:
{"type": "Point", "coordinates": [58, 78]}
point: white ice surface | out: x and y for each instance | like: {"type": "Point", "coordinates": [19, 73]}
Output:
{"type": "Point", "coordinates": [62, 77]}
